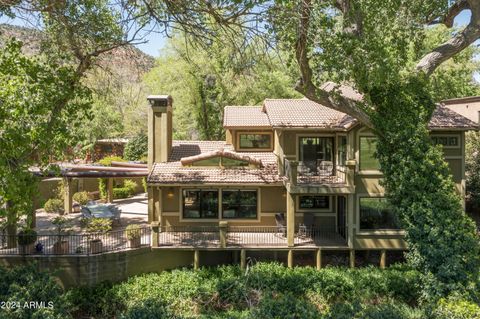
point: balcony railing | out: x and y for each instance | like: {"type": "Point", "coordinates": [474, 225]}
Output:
{"type": "Point", "coordinates": [315, 172]}
{"type": "Point", "coordinates": [76, 244]}
{"type": "Point", "coordinates": [246, 237]}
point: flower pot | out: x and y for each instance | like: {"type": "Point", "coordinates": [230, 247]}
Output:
{"type": "Point", "coordinates": [61, 247]}
{"type": "Point", "coordinates": [96, 246]}
{"type": "Point", "coordinates": [26, 249]}
{"type": "Point", "coordinates": [134, 242]}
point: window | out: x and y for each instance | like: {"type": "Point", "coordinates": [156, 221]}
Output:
{"type": "Point", "coordinates": [255, 140]}
{"type": "Point", "coordinates": [446, 140]}
{"type": "Point", "coordinates": [238, 203]}
{"type": "Point", "coordinates": [368, 147]}
{"type": "Point", "coordinates": [314, 202]}
{"type": "Point", "coordinates": [342, 150]}
{"type": "Point", "coordinates": [200, 203]}
{"type": "Point", "coordinates": [375, 213]}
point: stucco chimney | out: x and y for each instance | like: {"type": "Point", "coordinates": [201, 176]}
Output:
{"type": "Point", "coordinates": [159, 128]}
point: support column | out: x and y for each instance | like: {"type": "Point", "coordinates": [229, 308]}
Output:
{"type": "Point", "coordinates": [155, 233]}
{"type": "Point", "coordinates": [290, 258]}
{"type": "Point", "coordinates": [109, 190]}
{"type": "Point", "coordinates": [352, 258]}
{"type": "Point", "coordinates": [319, 258]}
{"type": "Point", "coordinates": [383, 258]}
{"type": "Point", "coordinates": [68, 195]}
{"type": "Point", "coordinates": [290, 220]}
{"type": "Point", "coordinates": [222, 226]}
{"type": "Point", "coordinates": [196, 259]}
{"type": "Point", "coordinates": [351, 220]}
{"type": "Point", "coordinates": [157, 198]}
{"type": "Point", "coordinates": [243, 259]}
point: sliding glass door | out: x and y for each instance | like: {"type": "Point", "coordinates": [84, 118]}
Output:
{"type": "Point", "coordinates": [313, 150]}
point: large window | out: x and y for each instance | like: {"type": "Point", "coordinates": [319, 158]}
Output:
{"type": "Point", "coordinates": [239, 203]}
{"type": "Point", "coordinates": [314, 202]}
{"type": "Point", "coordinates": [255, 140]}
{"type": "Point", "coordinates": [375, 213]}
{"type": "Point", "coordinates": [200, 203]}
{"type": "Point", "coordinates": [449, 141]}
{"type": "Point", "coordinates": [368, 147]}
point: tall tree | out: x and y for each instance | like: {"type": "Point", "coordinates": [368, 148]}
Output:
{"type": "Point", "coordinates": [203, 80]}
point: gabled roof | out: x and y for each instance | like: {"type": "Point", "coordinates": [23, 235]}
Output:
{"type": "Point", "coordinates": [444, 118]}
{"type": "Point", "coordinates": [245, 116]}
{"type": "Point", "coordinates": [221, 153]}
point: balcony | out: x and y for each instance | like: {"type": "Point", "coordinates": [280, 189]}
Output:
{"type": "Point", "coordinates": [239, 237]}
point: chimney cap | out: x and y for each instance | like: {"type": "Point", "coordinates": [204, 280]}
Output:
{"type": "Point", "coordinates": [160, 100]}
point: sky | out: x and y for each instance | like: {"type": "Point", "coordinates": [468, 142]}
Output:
{"type": "Point", "coordinates": [155, 42]}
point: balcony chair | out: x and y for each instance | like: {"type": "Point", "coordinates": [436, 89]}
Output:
{"type": "Point", "coordinates": [306, 228]}
{"type": "Point", "coordinates": [281, 224]}
{"type": "Point", "coordinates": [325, 168]}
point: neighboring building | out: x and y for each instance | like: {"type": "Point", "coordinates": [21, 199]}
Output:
{"type": "Point", "coordinates": [107, 147]}
{"type": "Point", "coordinates": [466, 106]}
{"type": "Point", "coordinates": [290, 157]}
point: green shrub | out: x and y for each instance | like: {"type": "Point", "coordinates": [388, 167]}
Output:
{"type": "Point", "coordinates": [27, 283]}
{"type": "Point", "coordinates": [144, 184]}
{"type": "Point", "coordinates": [81, 197]}
{"type": "Point", "coordinates": [107, 161]}
{"type": "Point", "coordinates": [99, 225]}
{"type": "Point", "coordinates": [131, 185]}
{"type": "Point", "coordinates": [456, 309]}
{"type": "Point", "coordinates": [102, 187]}
{"type": "Point", "coordinates": [121, 192]}
{"type": "Point", "coordinates": [133, 232]}
{"type": "Point", "coordinates": [27, 236]}
{"type": "Point", "coordinates": [136, 148]}
{"type": "Point", "coordinates": [284, 306]}
{"type": "Point", "coordinates": [54, 206]}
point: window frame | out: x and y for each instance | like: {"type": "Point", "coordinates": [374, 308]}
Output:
{"type": "Point", "coordinates": [182, 204]}
{"type": "Point", "coordinates": [457, 136]}
{"type": "Point", "coordinates": [323, 210]}
{"type": "Point", "coordinates": [380, 231]}
{"type": "Point", "coordinates": [239, 190]}
{"type": "Point", "coordinates": [252, 149]}
{"type": "Point", "coordinates": [368, 170]}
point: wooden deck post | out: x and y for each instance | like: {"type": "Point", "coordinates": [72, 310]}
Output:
{"type": "Point", "coordinates": [68, 195]}
{"type": "Point", "coordinates": [290, 220]}
{"type": "Point", "coordinates": [243, 259]}
{"type": "Point", "coordinates": [352, 258]}
{"type": "Point", "coordinates": [290, 258]}
{"type": "Point", "coordinates": [319, 258]}
{"type": "Point", "coordinates": [196, 259]}
{"type": "Point", "coordinates": [110, 190]}
{"type": "Point", "coordinates": [222, 226]}
{"type": "Point", "coordinates": [293, 172]}
{"type": "Point", "coordinates": [155, 233]}
{"type": "Point", "coordinates": [383, 258]}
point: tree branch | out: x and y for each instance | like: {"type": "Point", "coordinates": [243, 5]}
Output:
{"type": "Point", "coordinates": [431, 61]}
{"type": "Point", "coordinates": [332, 98]}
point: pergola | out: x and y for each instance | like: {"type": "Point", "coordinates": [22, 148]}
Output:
{"type": "Point", "coordinates": [69, 172]}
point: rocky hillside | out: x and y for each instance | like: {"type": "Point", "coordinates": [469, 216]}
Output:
{"type": "Point", "coordinates": [126, 61]}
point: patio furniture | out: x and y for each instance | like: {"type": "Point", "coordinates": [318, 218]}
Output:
{"type": "Point", "coordinates": [325, 168]}
{"type": "Point", "coordinates": [306, 228]}
{"type": "Point", "coordinates": [281, 224]}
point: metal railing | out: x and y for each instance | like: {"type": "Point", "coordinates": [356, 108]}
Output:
{"type": "Point", "coordinates": [75, 244]}
{"type": "Point", "coordinates": [246, 236]}
{"type": "Point", "coordinates": [311, 172]}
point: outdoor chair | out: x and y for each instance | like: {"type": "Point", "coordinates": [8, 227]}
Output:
{"type": "Point", "coordinates": [281, 224]}
{"type": "Point", "coordinates": [325, 168]}
{"type": "Point", "coordinates": [306, 228]}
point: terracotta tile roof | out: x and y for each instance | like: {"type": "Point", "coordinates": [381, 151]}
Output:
{"type": "Point", "coordinates": [245, 116]}
{"type": "Point", "coordinates": [304, 113]}
{"type": "Point", "coordinates": [173, 172]}
{"type": "Point", "coordinates": [444, 118]}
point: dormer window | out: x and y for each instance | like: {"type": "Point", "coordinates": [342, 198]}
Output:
{"type": "Point", "coordinates": [255, 141]}
{"type": "Point", "coordinates": [221, 158]}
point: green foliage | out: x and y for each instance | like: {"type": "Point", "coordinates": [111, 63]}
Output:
{"type": "Point", "coordinates": [23, 284]}
{"type": "Point", "coordinates": [265, 290]}
{"type": "Point", "coordinates": [27, 236]}
{"type": "Point", "coordinates": [472, 167]}
{"type": "Point", "coordinates": [136, 148]}
{"type": "Point", "coordinates": [81, 197]}
{"type": "Point", "coordinates": [133, 231]}
{"type": "Point", "coordinates": [203, 81]}
{"type": "Point", "coordinates": [102, 187]}
{"type": "Point", "coordinates": [456, 309]}
{"type": "Point", "coordinates": [99, 225]}
{"type": "Point", "coordinates": [131, 185]}
{"type": "Point", "coordinates": [442, 240]}
{"type": "Point", "coordinates": [121, 192]}
{"type": "Point", "coordinates": [107, 161]}
{"type": "Point", "coordinates": [62, 226]}
{"type": "Point", "coordinates": [54, 206]}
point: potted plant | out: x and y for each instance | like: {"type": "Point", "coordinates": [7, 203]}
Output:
{"type": "Point", "coordinates": [80, 199]}
{"type": "Point", "coordinates": [61, 246]}
{"type": "Point", "coordinates": [133, 233]}
{"type": "Point", "coordinates": [26, 241]}
{"type": "Point", "coordinates": [97, 227]}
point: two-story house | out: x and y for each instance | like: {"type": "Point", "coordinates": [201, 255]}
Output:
{"type": "Point", "coordinates": [291, 175]}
